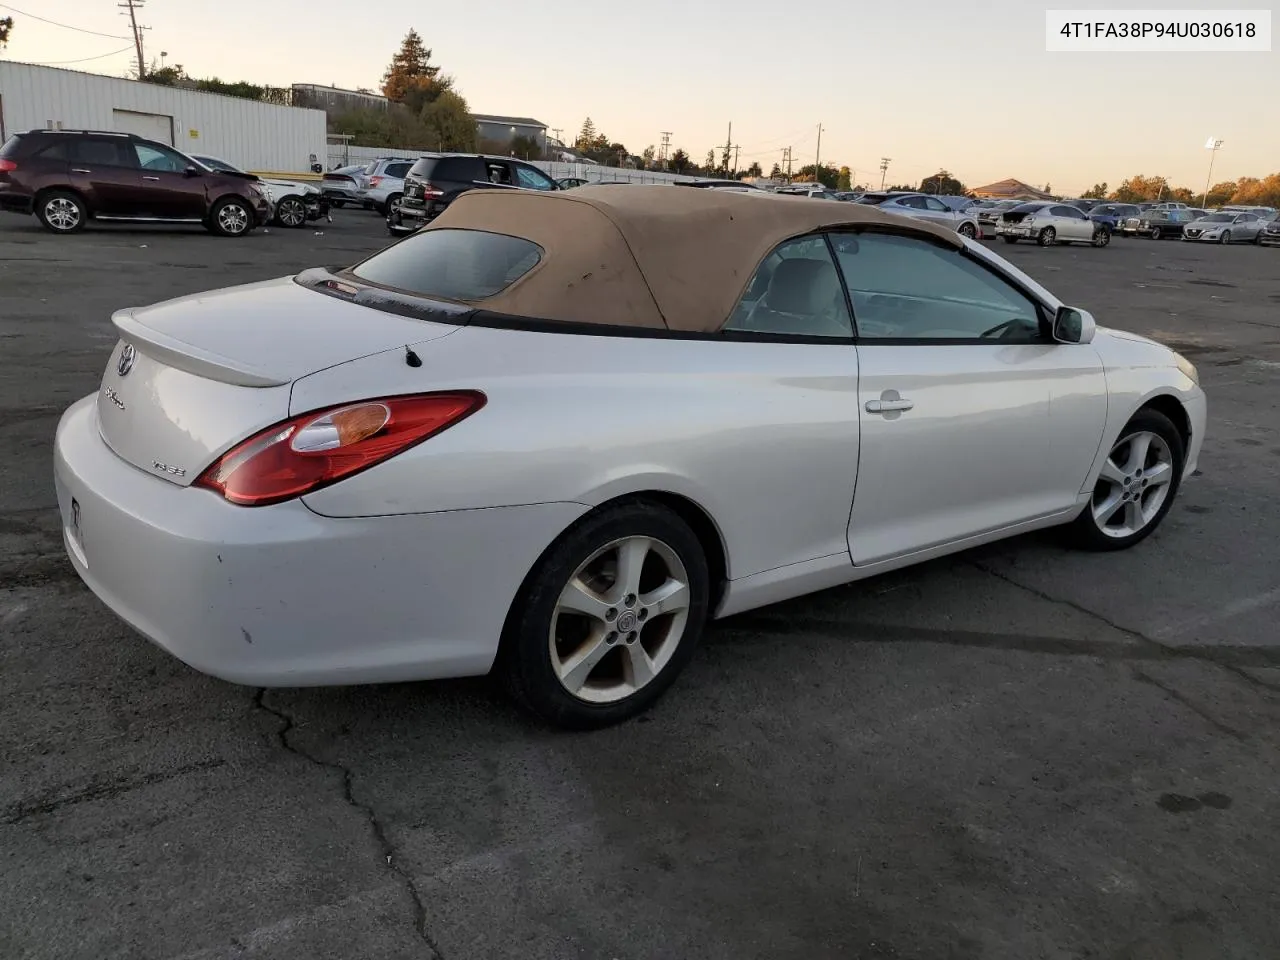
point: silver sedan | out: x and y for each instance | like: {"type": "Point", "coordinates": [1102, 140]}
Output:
{"type": "Point", "coordinates": [1226, 228]}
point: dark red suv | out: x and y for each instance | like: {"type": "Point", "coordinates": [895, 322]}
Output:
{"type": "Point", "coordinates": [68, 177]}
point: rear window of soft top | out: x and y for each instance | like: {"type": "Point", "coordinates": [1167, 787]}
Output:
{"type": "Point", "coordinates": [451, 264]}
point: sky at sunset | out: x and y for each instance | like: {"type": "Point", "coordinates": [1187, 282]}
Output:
{"type": "Point", "coordinates": [964, 86]}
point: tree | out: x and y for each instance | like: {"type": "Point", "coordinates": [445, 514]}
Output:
{"type": "Point", "coordinates": [679, 161]}
{"type": "Point", "coordinates": [845, 180]}
{"type": "Point", "coordinates": [1220, 193]}
{"type": "Point", "coordinates": [828, 175]}
{"type": "Point", "coordinates": [754, 170]}
{"type": "Point", "coordinates": [410, 66]}
{"type": "Point", "coordinates": [1140, 188]}
{"type": "Point", "coordinates": [1262, 193]}
{"type": "Point", "coordinates": [450, 122]}
{"type": "Point", "coordinates": [526, 148]}
{"type": "Point", "coordinates": [775, 173]}
{"type": "Point", "coordinates": [587, 136]}
{"type": "Point", "coordinates": [647, 156]}
{"type": "Point", "coordinates": [711, 161]}
{"type": "Point", "coordinates": [6, 29]}
{"type": "Point", "coordinates": [943, 183]}
{"type": "Point", "coordinates": [421, 92]}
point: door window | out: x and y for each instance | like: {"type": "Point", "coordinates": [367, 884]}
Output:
{"type": "Point", "coordinates": [915, 203]}
{"type": "Point", "coordinates": [905, 288]}
{"type": "Point", "coordinates": [795, 292]}
{"type": "Point", "coordinates": [398, 171]}
{"type": "Point", "coordinates": [103, 153]}
{"type": "Point", "coordinates": [532, 178]}
{"type": "Point", "coordinates": [496, 172]}
{"type": "Point", "coordinates": [154, 158]}
{"type": "Point", "coordinates": [935, 205]}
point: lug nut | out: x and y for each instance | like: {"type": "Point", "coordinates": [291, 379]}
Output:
{"type": "Point", "coordinates": [643, 614]}
{"type": "Point", "coordinates": [631, 637]}
{"type": "Point", "coordinates": [610, 637]}
{"type": "Point", "coordinates": [629, 600]}
{"type": "Point", "coordinates": [611, 614]}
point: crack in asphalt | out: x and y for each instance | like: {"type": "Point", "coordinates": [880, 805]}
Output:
{"type": "Point", "coordinates": [26, 809]}
{"type": "Point", "coordinates": [1190, 704]}
{"type": "Point", "coordinates": [385, 847]}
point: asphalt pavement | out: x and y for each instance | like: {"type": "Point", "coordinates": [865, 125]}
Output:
{"type": "Point", "coordinates": [1018, 752]}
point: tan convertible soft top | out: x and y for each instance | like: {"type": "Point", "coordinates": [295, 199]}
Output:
{"type": "Point", "coordinates": [650, 256]}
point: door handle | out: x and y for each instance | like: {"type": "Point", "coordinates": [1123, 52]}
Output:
{"type": "Point", "coordinates": [80, 170]}
{"type": "Point", "coordinates": [888, 406]}
{"type": "Point", "coordinates": [151, 178]}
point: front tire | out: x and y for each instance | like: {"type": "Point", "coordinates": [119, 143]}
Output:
{"type": "Point", "coordinates": [1139, 480]}
{"type": "Point", "coordinates": [608, 617]}
{"type": "Point", "coordinates": [1048, 236]}
{"type": "Point", "coordinates": [230, 217]}
{"type": "Point", "coordinates": [1155, 233]}
{"type": "Point", "coordinates": [1226, 237]}
{"type": "Point", "coordinates": [1101, 237]}
{"type": "Point", "coordinates": [291, 212]}
{"type": "Point", "coordinates": [61, 211]}
{"type": "Point", "coordinates": [967, 231]}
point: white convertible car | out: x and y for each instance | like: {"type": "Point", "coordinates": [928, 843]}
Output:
{"type": "Point", "coordinates": [552, 434]}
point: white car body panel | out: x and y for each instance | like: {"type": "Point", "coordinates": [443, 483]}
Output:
{"type": "Point", "coordinates": [407, 570]}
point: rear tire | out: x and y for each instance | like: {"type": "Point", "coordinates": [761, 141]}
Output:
{"type": "Point", "coordinates": [1156, 233]}
{"type": "Point", "coordinates": [1048, 237]}
{"type": "Point", "coordinates": [1123, 510]}
{"type": "Point", "coordinates": [581, 670]}
{"type": "Point", "coordinates": [61, 211]}
{"type": "Point", "coordinates": [1101, 237]}
{"type": "Point", "coordinates": [1226, 237]}
{"type": "Point", "coordinates": [967, 230]}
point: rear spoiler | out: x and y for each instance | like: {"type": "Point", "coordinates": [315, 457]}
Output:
{"type": "Point", "coordinates": [183, 356]}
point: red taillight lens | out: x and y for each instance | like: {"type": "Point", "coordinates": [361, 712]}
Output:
{"type": "Point", "coordinates": [7, 165]}
{"type": "Point", "coordinates": [316, 449]}
{"type": "Point", "coordinates": [374, 181]}
{"type": "Point", "coordinates": [430, 191]}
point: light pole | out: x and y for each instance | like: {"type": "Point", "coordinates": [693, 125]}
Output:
{"type": "Point", "coordinates": [1213, 146]}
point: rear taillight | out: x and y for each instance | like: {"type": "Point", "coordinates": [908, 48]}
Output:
{"type": "Point", "coordinates": [7, 165]}
{"type": "Point", "coordinates": [316, 449]}
{"type": "Point", "coordinates": [374, 181]}
{"type": "Point", "coordinates": [428, 190]}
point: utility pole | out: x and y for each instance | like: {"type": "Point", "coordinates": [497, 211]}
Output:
{"type": "Point", "coordinates": [736, 148]}
{"type": "Point", "coordinates": [556, 131]}
{"type": "Point", "coordinates": [786, 155]}
{"type": "Point", "coordinates": [728, 147]}
{"type": "Point", "coordinates": [664, 151]}
{"type": "Point", "coordinates": [817, 157]}
{"type": "Point", "coordinates": [132, 6]}
{"type": "Point", "coordinates": [884, 166]}
{"type": "Point", "coordinates": [1213, 145]}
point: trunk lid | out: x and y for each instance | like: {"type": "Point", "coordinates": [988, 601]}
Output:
{"type": "Point", "coordinates": [192, 376]}
{"type": "Point", "coordinates": [1016, 216]}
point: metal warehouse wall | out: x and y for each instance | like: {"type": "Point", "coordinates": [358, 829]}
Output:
{"type": "Point", "coordinates": [256, 136]}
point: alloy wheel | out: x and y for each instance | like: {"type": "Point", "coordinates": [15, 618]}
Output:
{"type": "Point", "coordinates": [292, 212]}
{"type": "Point", "coordinates": [233, 219]}
{"type": "Point", "coordinates": [62, 213]}
{"type": "Point", "coordinates": [619, 619]}
{"type": "Point", "coordinates": [1134, 484]}
{"type": "Point", "coordinates": [966, 230]}
{"type": "Point", "coordinates": [1226, 237]}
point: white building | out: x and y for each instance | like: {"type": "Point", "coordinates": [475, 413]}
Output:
{"type": "Point", "coordinates": [252, 135]}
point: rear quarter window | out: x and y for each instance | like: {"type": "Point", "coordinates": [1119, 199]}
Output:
{"type": "Point", "coordinates": [11, 146]}
{"type": "Point", "coordinates": [460, 169]}
{"type": "Point", "coordinates": [451, 264]}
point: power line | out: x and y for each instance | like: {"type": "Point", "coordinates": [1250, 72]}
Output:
{"type": "Point", "coordinates": [101, 56]}
{"type": "Point", "coordinates": [132, 7]}
{"type": "Point", "coordinates": [65, 26]}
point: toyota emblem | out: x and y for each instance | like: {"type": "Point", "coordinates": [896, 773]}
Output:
{"type": "Point", "coordinates": [125, 363]}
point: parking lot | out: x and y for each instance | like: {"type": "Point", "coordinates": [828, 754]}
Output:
{"type": "Point", "coordinates": [1017, 752]}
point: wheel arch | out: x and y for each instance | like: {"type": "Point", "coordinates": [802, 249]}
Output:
{"type": "Point", "coordinates": [78, 194]}
{"type": "Point", "coordinates": [1171, 407]}
{"type": "Point", "coordinates": [699, 520]}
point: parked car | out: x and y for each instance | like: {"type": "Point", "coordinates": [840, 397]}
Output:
{"type": "Point", "coordinates": [342, 186]}
{"type": "Point", "coordinates": [1083, 205]}
{"type": "Point", "coordinates": [436, 181]}
{"type": "Point", "coordinates": [568, 183]}
{"type": "Point", "coordinates": [1159, 224]}
{"type": "Point", "coordinates": [293, 202]}
{"type": "Point", "coordinates": [988, 213]}
{"type": "Point", "coordinates": [1112, 215]}
{"type": "Point", "coordinates": [382, 183]}
{"type": "Point", "coordinates": [1270, 235]}
{"type": "Point", "coordinates": [408, 469]}
{"type": "Point", "coordinates": [69, 177]}
{"type": "Point", "coordinates": [1050, 222]}
{"type": "Point", "coordinates": [920, 206]}
{"type": "Point", "coordinates": [1225, 228]}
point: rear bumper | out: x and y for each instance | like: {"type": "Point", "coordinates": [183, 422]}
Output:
{"type": "Point", "coordinates": [405, 217]}
{"type": "Point", "coordinates": [15, 203]}
{"type": "Point", "coordinates": [280, 596]}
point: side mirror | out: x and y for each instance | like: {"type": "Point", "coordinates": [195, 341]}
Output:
{"type": "Point", "coordinates": [191, 172]}
{"type": "Point", "coordinates": [1072, 325]}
